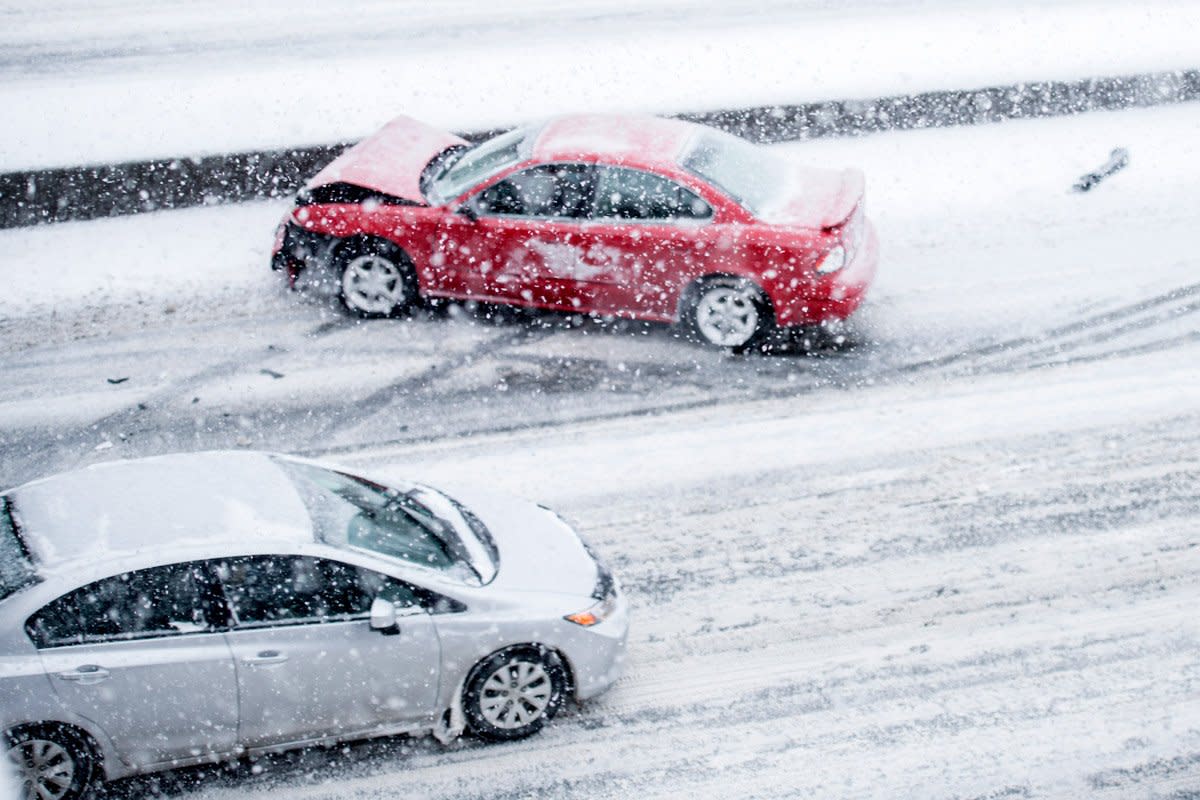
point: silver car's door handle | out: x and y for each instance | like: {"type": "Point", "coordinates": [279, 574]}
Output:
{"type": "Point", "coordinates": [86, 673]}
{"type": "Point", "coordinates": [266, 657]}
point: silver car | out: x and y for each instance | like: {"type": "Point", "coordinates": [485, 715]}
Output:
{"type": "Point", "coordinates": [185, 609]}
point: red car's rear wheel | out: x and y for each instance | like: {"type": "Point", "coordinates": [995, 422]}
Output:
{"type": "Point", "coordinates": [728, 312]}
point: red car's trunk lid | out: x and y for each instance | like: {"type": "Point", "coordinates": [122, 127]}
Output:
{"type": "Point", "coordinates": [390, 161]}
{"type": "Point", "coordinates": [819, 198]}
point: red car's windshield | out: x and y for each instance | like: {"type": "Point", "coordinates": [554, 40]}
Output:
{"type": "Point", "coordinates": [486, 158]}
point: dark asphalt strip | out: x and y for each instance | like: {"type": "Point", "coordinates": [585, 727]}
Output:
{"type": "Point", "coordinates": [32, 197]}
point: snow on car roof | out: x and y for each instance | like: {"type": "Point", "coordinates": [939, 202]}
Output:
{"type": "Point", "coordinates": [127, 506]}
{"type": "Point", "coordinates": [620, 137]}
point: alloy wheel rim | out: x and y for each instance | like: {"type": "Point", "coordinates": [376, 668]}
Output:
{"type": "Point", "coordinates": [45, 769]}
{"type": "Point", "coordinates": [515, 695]}
{"type": "Point", "coordinates": [372, 283]}
{"type": "Point", "coordinates": [727, 316]}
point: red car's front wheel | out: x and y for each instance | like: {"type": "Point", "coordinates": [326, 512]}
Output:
{"type": "Point", "coordinates": [376, 281]}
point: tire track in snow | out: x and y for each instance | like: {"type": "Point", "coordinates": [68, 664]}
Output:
{"type": "Point", "coordinates": [161, 419]}
{"type": "Point", "coordinates": [1012, 355]}
{"type": "Point", "coordinates": [1017, 353]}
{"type": "Point", "coordinates": [73, 445]}
{"type": "Point", "coordinates": [381, 400]}
{"type": "Point", "coordinates": [838, 721]}
{"type": "Point", "coordinates": [796, 507]}
{"type": "Point", "coordinates": [1054, 656]}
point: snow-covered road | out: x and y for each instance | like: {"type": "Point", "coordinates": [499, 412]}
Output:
{"type": "Point", "coordinates": [956, 556]}
{"type": "Point", "coordinates": [980, 587]}
{"type": "Point", "coordinates": [958, 559]}
{"type": "Point", "coordinates": [990, 263]}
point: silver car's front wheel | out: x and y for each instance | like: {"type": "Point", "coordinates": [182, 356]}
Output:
{"type": "Point", "coordinates": [513, 693]}
{"type": "Point", "coordinates": [49, 766]}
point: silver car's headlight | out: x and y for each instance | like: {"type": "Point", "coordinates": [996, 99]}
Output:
{"type": "Point", "coordinates": [596, 614]}
{"type": "Point", "coordinates": [605, 606]}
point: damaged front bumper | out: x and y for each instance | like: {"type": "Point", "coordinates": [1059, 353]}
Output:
{"type": "Point", "coordinates": [306, 256]}
{"type": "Point", "coordinates": [295, 246]}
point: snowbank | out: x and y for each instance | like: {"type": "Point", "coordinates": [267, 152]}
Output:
{"type": "Point", "coordinates": [99, 84]}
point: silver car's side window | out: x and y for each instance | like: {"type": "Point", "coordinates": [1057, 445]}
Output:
{"type": "Point", "coordinates": [161, 601]}
{"type": "Point", "coordinates": [290, 590]}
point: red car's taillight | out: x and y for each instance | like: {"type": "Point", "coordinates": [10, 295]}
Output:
{"type": "Point", "coordinates": [849, 238]}
{"type": "Point", "coordinates": [834, 260]}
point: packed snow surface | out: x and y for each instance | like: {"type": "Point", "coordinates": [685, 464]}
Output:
{"type": "Point", "coordinates": [954, 555]}
{"type": "Point", "coordinates": [957, 559]}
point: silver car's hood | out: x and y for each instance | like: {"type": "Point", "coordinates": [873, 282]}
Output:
{"type": "Point", "coordinates": [538, 551]}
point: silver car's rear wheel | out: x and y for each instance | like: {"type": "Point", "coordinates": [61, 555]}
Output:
{"type": "Point", "coordinates": [49, 765]}
{"type": "Point", "coordinates": [513, 693]}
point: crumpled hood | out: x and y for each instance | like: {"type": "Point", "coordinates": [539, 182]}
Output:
{"type": "Point", "coordinates": [538, 551]}
{"type": "Point", "coordinates": [391, 160]}
{"type": "Point", "coordinates": [818, 198]}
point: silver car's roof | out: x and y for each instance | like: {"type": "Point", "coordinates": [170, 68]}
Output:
{"type": "Point", "coordinates": [129, 506]}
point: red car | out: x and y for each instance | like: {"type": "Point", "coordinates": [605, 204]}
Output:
{"type": "Point", "coordinates": [599, 214]}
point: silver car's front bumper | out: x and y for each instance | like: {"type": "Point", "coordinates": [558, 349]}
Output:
{"type": "Point", "coordinates": [597, 653]}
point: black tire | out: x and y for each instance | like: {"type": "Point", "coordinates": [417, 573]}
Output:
{"type": "Point", "coordinates": [727, 312]}
{"type": "Point", "coordinates": [375, 279]}
{"type": "Point", "coordinates": [57, 758]}
{"type": "Point", "coordinates": [514, 693]}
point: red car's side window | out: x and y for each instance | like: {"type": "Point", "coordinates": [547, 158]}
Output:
{"type": "Point", "coordinates": [631, 194]}
{"type": "Point", "coordinates": [547, 190]}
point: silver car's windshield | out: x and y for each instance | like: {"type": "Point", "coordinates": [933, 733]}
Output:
{"type": "Point", "coordinates": [751, 175]}
{"type": "Point", "coordinates": [482, 160]}
{"type": "Point", "coordinates": [16, 568]}
{"type": "Point", "coordinates": [419, 526]}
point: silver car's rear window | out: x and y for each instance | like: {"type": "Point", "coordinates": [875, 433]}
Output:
{"type": "Point", "coordinates": [16, 567]}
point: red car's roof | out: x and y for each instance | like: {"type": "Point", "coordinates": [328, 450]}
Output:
{"type": "Point", "coordinates": [613, 137]}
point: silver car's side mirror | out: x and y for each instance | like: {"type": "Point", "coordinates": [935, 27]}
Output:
{"type": "Point", "coordinates": [383, 617]}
